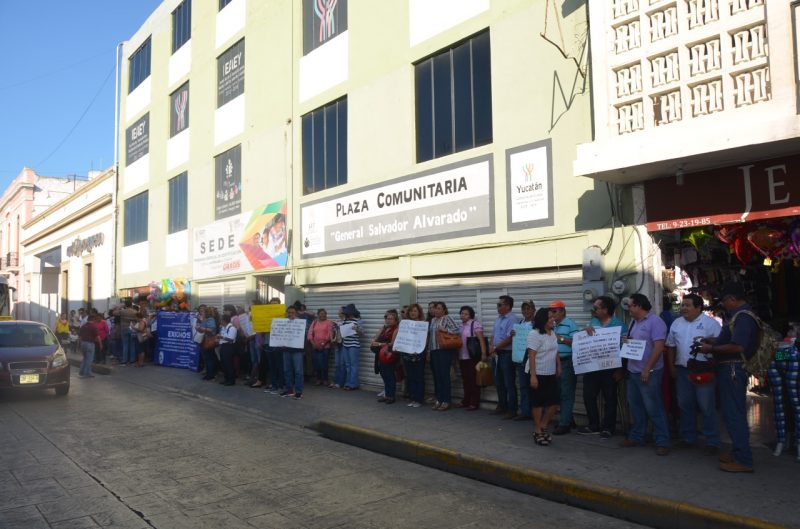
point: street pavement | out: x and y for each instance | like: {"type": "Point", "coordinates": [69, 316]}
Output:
{"type": "Point", "coordinates": [134, 451]}
{"type": "Point", "coordinates": [686, 479]}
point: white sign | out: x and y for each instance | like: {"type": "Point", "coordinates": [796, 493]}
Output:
{"type": "Point", "coordinates": [530, 193]}
{"type": "Point", "coordinates": [633, 349]}
{"type": "Point", "coordinates": [596, 352]}
{"type": "Point", "coordinates": [288, 333]}
{"type": "Point", "coordinates": [216, 249]}
{"type": "Point", "coordinates": [449, 202]}
{"type": "Point", "coordinates": [348, 328]}
{"type": "Point", "coordinates": [411, 337]}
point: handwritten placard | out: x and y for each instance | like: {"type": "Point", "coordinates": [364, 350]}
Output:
{"type": "Point", "coordinates": [287, 333]}
{"type": "Point", "coordinates": [596, 352]}
{"type": "Point", "coordinates": [263, 315]}
{"type": "Point", "coordinates": [633, 349]}
{"type": "Point", "coordinates": [519, 343]}
{"type": "Point", "coordinates": [411, 337]}
{"type": "Point", "coordinates": [348, 328]}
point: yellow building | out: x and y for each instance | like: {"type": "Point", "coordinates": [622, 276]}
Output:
{"type": "Point", "coordinates": [401, 150]}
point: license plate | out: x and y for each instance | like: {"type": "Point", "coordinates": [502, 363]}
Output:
{"type": "Point", "coordinates": [29, 379]}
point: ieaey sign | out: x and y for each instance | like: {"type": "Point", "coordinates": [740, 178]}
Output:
{"type": "Point", "coordinates": [759, 190]}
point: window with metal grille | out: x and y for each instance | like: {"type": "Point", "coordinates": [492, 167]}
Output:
{"type": "Point", "coordinates": [136, 219]}
{"type": "Point", "coordinates": [139, 66]}
{"type": "Point", "coordinates": [178, 202]}
{"type": "Point", "coordinates": [181, 24]}
{"type": "Point", "coordinates": [325, 147]}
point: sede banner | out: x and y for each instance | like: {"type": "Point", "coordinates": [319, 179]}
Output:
{"type": "Point", "coordinates": [445, 203]}
{"type": "Point", "coordinates": [175, 345]}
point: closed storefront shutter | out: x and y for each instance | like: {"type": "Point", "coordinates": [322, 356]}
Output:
{"type": "Point", "coordinates": [481, 293]}
{"type": "Point", "coordinates": [372, 300]}
{"type": "Point", "coordinates": [219, 293]}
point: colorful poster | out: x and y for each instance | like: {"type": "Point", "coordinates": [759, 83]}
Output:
{"type": "Point", "coordinates": [254, 240]}
{"type": "Point", "coordinates": [175, 345]}
{"type": "Point", "coordinates": [287, 333]}
{"type": "Point", "coordinates": [596, 352]}
{"type": "Point", "coordinates": [322, 21]}
{"type": "Point", "coordinates": [228, 183]}
{"type": "Point", "coordinates": [263, 315]}
{"type": "Point", "coordinates": [444, 203]}
{"type": "Point", "coordinates": [179, 110]}
{"type": "Point", "coordinates": [137, 139]}
{"type": "Point", "coordinates": [530, 186]}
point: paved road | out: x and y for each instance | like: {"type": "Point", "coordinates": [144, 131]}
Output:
{"type": "Point", "coordinates": [117, 454]}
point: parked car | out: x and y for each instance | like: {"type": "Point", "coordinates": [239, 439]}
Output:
{"type": "Point", "coordinates": [32, 358]}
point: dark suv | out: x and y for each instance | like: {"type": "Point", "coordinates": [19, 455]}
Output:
{"type": "Point", "coordinates": [32, 358]}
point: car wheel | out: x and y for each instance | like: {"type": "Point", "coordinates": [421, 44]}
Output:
{"type": "Point", "coordinates": [62, 390]}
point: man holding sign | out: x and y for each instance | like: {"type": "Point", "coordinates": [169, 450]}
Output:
{"type": "Point", "coordinates": [289, 336]}
{"type": "Point", "coordinates": [647, 335]}
{"type": "Point", "coordinates": [603, 380]}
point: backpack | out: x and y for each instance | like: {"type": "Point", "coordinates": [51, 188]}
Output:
{"type": "Point", "coordinates": [766, 346]}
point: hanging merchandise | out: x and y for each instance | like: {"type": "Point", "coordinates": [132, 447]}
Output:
{"type": "Point", "coordinates": [742, 249]}
{"type": "Point", "coordinates": [697, 237]}
{"type": "Point", "coordinates": [728, 233]}
{"type": "Point", "coordinates": [767, 241]}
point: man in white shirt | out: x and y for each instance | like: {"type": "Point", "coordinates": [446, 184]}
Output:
{"type": "Point", "coordinates": [693, 324]}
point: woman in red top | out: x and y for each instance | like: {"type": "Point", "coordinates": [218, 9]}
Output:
{"type": "Point", "coordinates": [320, 335]}
{"type": "Point", "coordinates": [102, 334]}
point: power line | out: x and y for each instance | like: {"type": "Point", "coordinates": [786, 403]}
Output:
{"type": "Point", "coordinates": [51, 72]}
{"type": "Point", "coordinates": [96, 95]}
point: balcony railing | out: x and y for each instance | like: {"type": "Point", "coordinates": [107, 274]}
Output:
{"type": "Point", "coordinates": [9, 260]}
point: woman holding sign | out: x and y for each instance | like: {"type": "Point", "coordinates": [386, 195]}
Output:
{"type": "Point", "coordinates": [441, 355]}
{"type": "Point", "coordinates": [414, 364]}
{"type": "Point", "coordinates": [544, 366]}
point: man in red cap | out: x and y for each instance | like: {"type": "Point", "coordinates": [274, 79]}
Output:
{"type": "Point", "coordinates": [565, 328]}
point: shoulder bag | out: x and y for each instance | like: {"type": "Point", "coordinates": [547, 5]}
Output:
{"type": "Point", "coordinates": [474, 344]}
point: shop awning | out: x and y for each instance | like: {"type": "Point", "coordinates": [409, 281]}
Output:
{"type": "Point", "coordinates": [760, 190]}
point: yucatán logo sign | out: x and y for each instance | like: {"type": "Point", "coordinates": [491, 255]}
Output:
{"type": "Point", "coordinates": [79, 245]}
{"type": "Point", "coordinates": [448, 202]}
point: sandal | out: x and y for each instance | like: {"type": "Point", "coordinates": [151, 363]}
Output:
{"type": "Point", "coordinates": [444, 407]}
{"type": "Point", "coordinates": [258, 384]}
{"type": "Point", "coordinates": [540, 439]}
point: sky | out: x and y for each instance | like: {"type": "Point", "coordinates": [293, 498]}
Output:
{"type": "Point", "coordinates": [57, 82]}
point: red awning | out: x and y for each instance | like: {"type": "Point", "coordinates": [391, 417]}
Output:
{"type": "Point", "coordinates": [761, 190]}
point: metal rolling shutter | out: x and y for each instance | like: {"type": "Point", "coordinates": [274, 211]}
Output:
{"type": "Point", "coordinates": [372, 300]}
{"type": "Point", "coordinates": [481, 293]}
{"type": "Point", "coordinates": [221, 293]}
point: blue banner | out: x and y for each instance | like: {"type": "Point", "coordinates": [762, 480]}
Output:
{"type": "Point", "coordinates": [175, 345]}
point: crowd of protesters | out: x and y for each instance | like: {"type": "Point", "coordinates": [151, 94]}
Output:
{"type": "Point", "coordinates": [531, 385]}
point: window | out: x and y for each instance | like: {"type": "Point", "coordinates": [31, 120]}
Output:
{"type": "Point", "coordinates": [179, 110]}
{"type": "Point", "coordinates": [454, 99]}
{"type": "Point", "coordinates": [181, 24]}
{"type": "Point", "coordinates": [178, 192]}
{"type": "Point", "coordinates": [136, 219]}
{"type": "Point", "coordinates": [325, 147]}
{"type": "Point", "coordinates": [139, 66]}
{"type": "Point", "coordinates": [223, 3]}
{"type": "Point", "coordinates": [322, 20]}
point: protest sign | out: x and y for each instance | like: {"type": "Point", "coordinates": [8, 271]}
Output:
{"type": "Point", "coordinates": [263, 315]}
{"type": "Point", "coordinates": [633, 349]}
{"type": "Point", "coordinates": [175, 345]}
{"type": "Point", "coordinates": [411, 337]}
{"type": "Point", "coordinates": [287, 333]}
{"type": "Point", "coordinates": [519, 343]}
{"type": "Point", "coordinates": [596, 352]}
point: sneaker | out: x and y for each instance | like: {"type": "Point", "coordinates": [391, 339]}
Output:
{"type": "Point", "coordinates": [586, 430]}
{"type": "Point", "coordinates": [733, 466]}
{"type": "Point", "coordinates": [605, 434]}
{"type": "Point", "coordinates": [381, 394]}
{"type": "Point", "coordinates": [297, 396]}
{"type": "Point", "coordinates": [287, 394]}
{"type": "Point", "coordinates": [415, 405]}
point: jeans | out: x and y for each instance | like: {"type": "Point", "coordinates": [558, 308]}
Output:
{"type": "Point", "coordinates": [128, 351]}
{"type": "Point", "coordinates": [594, 384]}
{"type": "Point", "coordinates": [690, 397]}
{"type": "Point", "coordinates": [276, 369]}
{"type": "Point", "coordinates": [350, 355]}
{"type": "Point", "coordinates": [645, 401]}
{"type": "Point", "coordinates": [320, 360]}
{"type": "Point", "coordinates": [293, 370]}
{"type": "Point", "coordinates": [338, 361]}
{"type": "Point", "coordinates": [441, 359]}
{"type": "Point", "coordinates": [253, 350]}
{"type": "Point", "coordinates": [210, 358]}
{"type": "Point", "coordinates": [87, 348]}
{"type": "Point", "coordinates": [389, 380]}
{"type": "Point", "coordinates": [567, 383]}
{"type": "Point", "coordinates": [504, 381]}
{"type": "Point", "coordinates": [732, 384]}
{"type": "Point", "coordinates": [415, 376]}
{"type": "Point", "coordinates": [524, 390]}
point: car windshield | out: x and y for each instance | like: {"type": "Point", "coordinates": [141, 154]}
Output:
{"type": "Point", "coordinates": [26, 335]}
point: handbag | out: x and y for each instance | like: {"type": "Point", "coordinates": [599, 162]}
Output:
{"type": "Point", "coordinates": [474, 344]}
{"type": "Point", "coordinates": [447, 340]}
{"type": "Point", "coordinates": [386, 355]}
{"type": "Point", "coordinates": [483, 375]}
{"type": "Point", "coordinates": [209, 342]}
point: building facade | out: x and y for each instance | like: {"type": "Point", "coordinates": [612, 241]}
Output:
{"type": "Point", "coordinates": [26, 196]}
{"type": "Point", "coordinates": [379, 154]}
{"type": "Point", "coordinates": [69, 253]}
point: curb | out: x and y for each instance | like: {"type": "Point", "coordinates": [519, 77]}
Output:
{"type": "Point", "coordinates": [96, 368]}
{"type": "Point", "coordinates": [611, 501]}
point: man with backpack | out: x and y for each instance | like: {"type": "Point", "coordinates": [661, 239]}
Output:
{"type": "Point", "coordinates": [737, 342]}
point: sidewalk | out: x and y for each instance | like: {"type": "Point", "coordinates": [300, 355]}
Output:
{"type": "Point", "coordinates": [684, 489]}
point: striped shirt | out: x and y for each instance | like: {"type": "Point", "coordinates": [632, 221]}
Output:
{"type": "Point", "coordinates": [354, 339]}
